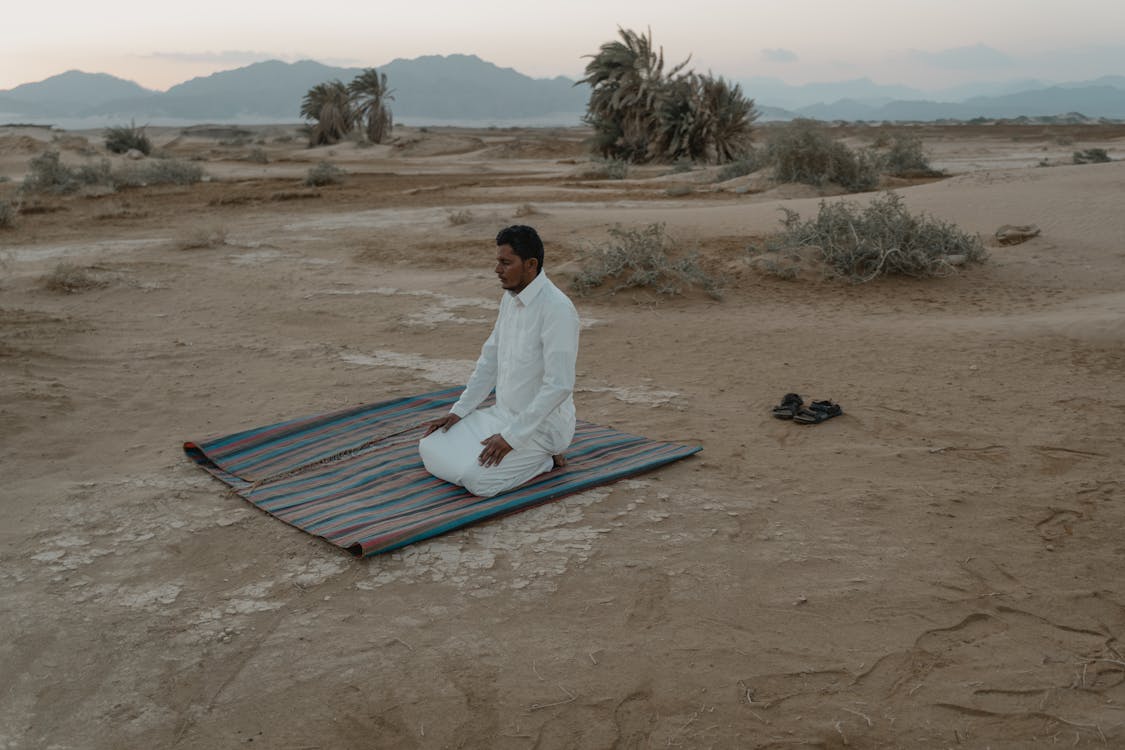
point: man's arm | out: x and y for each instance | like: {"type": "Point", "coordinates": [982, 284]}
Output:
{"type": "Point", "coordinates": [483, 379]}
{"type": "Point", "coordinates": [559, 337]}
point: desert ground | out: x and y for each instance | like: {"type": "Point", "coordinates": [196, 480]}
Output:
{"type": "Point", "coordinates": [940, 567]}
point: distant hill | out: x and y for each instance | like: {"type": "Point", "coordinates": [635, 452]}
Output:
{"type": "Point", "coordinates": [452, 89]}
{"type": "Point", "coordinates": [464, 86]}
{"type": "Point", "coordinates": [1091, 101]}
{"type": "Point", "coordinates": [75, 89]}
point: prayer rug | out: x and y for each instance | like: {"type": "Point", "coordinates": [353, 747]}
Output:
{"type": "Point", "coordinates": [354, 477]}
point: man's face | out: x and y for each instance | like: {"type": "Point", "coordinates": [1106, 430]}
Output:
{"type": "Point", "coordinates": [514, 272]}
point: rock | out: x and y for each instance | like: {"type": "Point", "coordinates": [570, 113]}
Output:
{"type": "Point", "coordinates": [134, 154]}
{"type": "Point", "coordinates": [1012, 234]}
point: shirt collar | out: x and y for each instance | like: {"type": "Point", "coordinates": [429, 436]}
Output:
{"type": "Point", "coordinates": [532, 290]}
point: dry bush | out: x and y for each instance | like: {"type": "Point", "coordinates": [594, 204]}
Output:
{"type": "Point", "coordinates": [202, 238]}
{"type": "Point", "coordinates": [7, 215]}
{"type": "Point", "coordinates": [67, 278]}
{"type": "Point", "coordinates": [642, 258]}
{"type": "Point", "coordinates": [123, 138]}
{"type": "Point", "coordinates": [526, 209]}
{"type": "Point", "coordinates": [802, 152]}
{"type": "Point", "coordinates": [750, 162]}
{"type": "Point", "coordinates": [257, 156]}
{"type": "Point", "coordinates": [1091, 156]}
{"type": "Point", "coordinates": [47, 174]}
{"type": "Point", "coordinates": [159, 172]}
{"type": "Point", "coordinates": [884, 238]}
{"type": "Point", "coordinates": [679, 191]}
{"type": "Point", "coordinates": [323, 174]}
{"type": "Point", "coordinates": [458, 218]}
{"type": "Point", "coordinates": [606, 169]}
{"type": "Point", "coordinates": [906, 158]}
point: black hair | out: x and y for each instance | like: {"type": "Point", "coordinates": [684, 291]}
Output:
{"type": "Point", "coordinates": [524, 242]}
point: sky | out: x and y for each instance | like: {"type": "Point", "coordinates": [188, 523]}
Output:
{"type": "Point", "coordinates": [926, 44]}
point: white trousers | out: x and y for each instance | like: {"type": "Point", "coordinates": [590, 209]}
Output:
{"type": "Point", "coordinates": [454, 455]}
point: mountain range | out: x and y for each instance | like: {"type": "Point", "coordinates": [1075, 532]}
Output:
{"type": "Point", "coordinates": [464, 89]}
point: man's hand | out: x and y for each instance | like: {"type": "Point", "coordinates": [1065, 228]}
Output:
{"type": "Point", "coordinates": [442, 424]}
{"type": "Point", "coordinates": [495, 448]}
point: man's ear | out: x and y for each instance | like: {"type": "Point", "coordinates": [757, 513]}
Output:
{"type": "Point", "coordinates": [535, 264]}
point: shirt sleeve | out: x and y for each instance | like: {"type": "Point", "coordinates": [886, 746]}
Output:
{"type": "Point", "coordinates": [483, 379]}
{"type": "Point", "coordinates": [559, 338]}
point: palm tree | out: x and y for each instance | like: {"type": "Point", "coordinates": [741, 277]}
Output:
{"type": "Point", "coordinates": [640, 113]}
{"type": "Point", "coordinates": [704, 119]}
{"type": "Point", "coordinates": [331, 106]}
{"type": "Point", "coordinates": [730, 118]}
{"type": "Point", "coordinates": [369, 97]}
{"type": "Point", "coordinates": [627, 79]}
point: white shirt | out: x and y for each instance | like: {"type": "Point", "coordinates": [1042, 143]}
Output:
{"type": "Point", "coordinates": [529, 359]}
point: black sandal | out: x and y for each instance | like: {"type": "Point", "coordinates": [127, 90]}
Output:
{"type": "Point", "coordinates": [790, 405]}
{"type": "Point", "coordinates": [817, 412]}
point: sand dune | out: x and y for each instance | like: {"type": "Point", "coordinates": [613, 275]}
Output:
{"type": "Point", "coordinates": [940, 567]}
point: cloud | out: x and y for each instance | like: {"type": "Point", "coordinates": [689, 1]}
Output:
{"type": "Point", "coordinates": [975, 56]}
{"type": "Point", "coordinates": [242, 57]}
{"type": "Point", "coordinates": [779, 55]}
{"type": "Point", "coordinates": [226, 56]}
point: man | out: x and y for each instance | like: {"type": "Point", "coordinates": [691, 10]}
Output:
{"type": "Point", "coordinates": [529, 359]}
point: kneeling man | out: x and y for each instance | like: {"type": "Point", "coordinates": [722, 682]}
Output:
{"type": "Point", "coordinates": [529, 359]}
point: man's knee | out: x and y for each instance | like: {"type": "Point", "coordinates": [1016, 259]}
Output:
{"type": "Point", "coordinates": [481, 482]}
{"type": "Point", "coordinates": [439, 458]}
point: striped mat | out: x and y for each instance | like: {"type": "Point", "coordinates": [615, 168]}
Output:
{"type": "Point", "coordinates": [354, 477]}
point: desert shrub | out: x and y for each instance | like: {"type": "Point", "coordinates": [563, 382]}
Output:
{"type": "Point", "coordinates": [68, 278]}
{"type": "Point", "coordinates": [884, 238]}
{"type": "Point", "coordinates": [679, 191]}
{"type": "Point", "coordinates": [161, 172]}
{"type": "Point", "coordinates": [1091, 156]}
{"type": "Point", "coordinates": [94, 173]}
{"type": "Point", "coordinates": [202, 237]}
{"type": "Point", "coordinates": [258, 156]}
{"type": "Point", "coordinates": [802, 152]}
{"type": "Point", "coordinates": [751, 161]}
{"type": "Point", "coordinates": [458, 218]}
{"type": "Point", "coordinates": [283, 139]}
{"type": "Point", "coordinates": [122, 138]}
{"type": "Point", "coordinates": [7, 215]}
{"type": "Point", "coordinates": [905, 156]}
{"type": "Point", "coordinates": [682, 165]}
{"type": "Point", "coordinates": [607, 169]}
{"type": "Point", "coordinates": [642, 258]}
{"type": "Point", "coordinates": [49, 175]}
{"type": "Point", "coordinates": [526, 209]}
{"type": "Point", "coordinates": [324, 174]}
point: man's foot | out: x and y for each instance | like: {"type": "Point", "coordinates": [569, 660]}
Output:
{"type": "Point", "coordinates": [559, 460]}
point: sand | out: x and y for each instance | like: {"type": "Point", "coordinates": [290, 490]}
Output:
{"type": "Point", "coordinates": [939, 567]}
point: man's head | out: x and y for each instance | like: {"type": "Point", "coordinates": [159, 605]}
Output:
{"type": "Point", "coordinates": [519, 257]}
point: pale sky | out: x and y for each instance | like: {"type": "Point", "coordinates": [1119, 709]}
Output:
{"type": "Point", "coordinates": [927, 44]}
